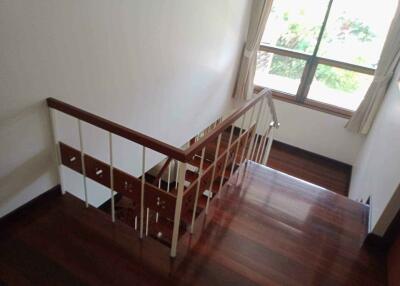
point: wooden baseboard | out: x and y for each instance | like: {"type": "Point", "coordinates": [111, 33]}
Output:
{"type": "Point", "coordinates": [375, 242]}
{"type": "Point", "coordinates": [312, 154]}
{"type": "Point", "coordinates": [385, 242]}
{"type": "Point", "coordinates": [12, 216]}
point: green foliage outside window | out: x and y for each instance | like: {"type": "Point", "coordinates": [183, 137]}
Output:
{"type": "Point", "coordinates": [299, 38]}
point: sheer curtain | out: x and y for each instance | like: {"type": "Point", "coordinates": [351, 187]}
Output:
{"type": "Point", "coordinates": [259, 14]}
{"type": "Point", "coordinates": [362, 119]}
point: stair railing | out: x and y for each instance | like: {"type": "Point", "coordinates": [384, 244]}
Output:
{"type": "Point", "coordinates": [239, 137]}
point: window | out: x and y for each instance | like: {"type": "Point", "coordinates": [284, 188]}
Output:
{"type": "Point", "coordinates": [323, 52]}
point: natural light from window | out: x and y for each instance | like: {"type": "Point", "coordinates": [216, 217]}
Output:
{"type": "Point", "coordinates": [332, 63]}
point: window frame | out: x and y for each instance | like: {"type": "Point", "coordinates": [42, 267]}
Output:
{"type": "Point", "coordinates": [312, 62]}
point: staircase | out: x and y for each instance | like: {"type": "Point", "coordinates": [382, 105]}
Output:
{"type": "Point", "coordinates": [165, 210]}
{"type": "Point", "coordinates": [265, 228]}
{"type": "Point", "coordinates": [231, 219]}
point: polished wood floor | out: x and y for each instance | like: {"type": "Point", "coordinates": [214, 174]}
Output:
{"type": "Point", "coordinates": [265, 229]}
{"type": "Point", "coordinates": [327, 173]}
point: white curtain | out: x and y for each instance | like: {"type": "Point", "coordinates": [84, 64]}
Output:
{"type": "Point", "coordinates": [362, 119]}
{"type": "Point", "coordinates": [259, 15]}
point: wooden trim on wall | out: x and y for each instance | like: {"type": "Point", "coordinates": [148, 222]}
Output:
{"type": "Point", "coordinates": [385, 242]}
{"type": "Point", "coordinates": [312, 104]}
{"type": "Point", "coordinates": [52, 193]}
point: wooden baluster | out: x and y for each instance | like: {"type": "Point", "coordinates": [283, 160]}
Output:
{"type": "Point", "coordinates": [196, 198]}
{"type": "Point", "coordinates": [178, 208]}
{"type": "Point", "coordinates": [142, 190]}
{"type": "Point", "coordinates": [210, 193]}
{"type": "Point", "coordinates": [83, 162]}
{"type": "Point", "coordinates": [54, 133]}
{"type": "Point", "coordinates": [226, 160]}
{"type": "Point", "coordinates": [237, 147]}
{"type": "Point", "coordinates": [111, 177]}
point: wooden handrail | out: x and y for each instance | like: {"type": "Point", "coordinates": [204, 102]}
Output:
{"type": "Point", "coordinates": [152, 143]}
{"type": "Point", "coordinates": [115, 128]}
{"type": "Point", "coordinates": [191, 151]}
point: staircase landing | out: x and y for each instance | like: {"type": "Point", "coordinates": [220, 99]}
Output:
{"type": "Point", "coordinates": [272, 229]}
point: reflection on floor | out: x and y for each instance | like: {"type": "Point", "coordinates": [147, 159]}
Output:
{"type": "Point", "coordinates": [327, 173]}
{"type": "Point", "coordinates": [266, 229]}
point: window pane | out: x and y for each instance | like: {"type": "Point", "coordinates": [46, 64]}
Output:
{"type": "Point", "coordinates": [339, 87]}
{"type": "Point", "coordinates": [356, 31]}
{"type": "Point", "coordinates": [278, 72]}
{"type": "Point", "coordinates": [295, 24]}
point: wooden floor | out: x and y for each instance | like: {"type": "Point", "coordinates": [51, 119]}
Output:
{"type": "Point", "coordinates": [267, 229]}
{"type": "Point", "coordinates": [330, 174]}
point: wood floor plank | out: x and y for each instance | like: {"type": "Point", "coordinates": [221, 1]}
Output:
{"type": "Point", "coordinates": [267, 228]}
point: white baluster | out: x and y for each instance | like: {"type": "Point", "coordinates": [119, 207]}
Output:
{"type": "Point", "coordinates": [255, 137]}
{"type": "Point", "coordinates": [142, 191]}
{"type": "Point", "coordinates": [226, 160]}
{"type": "Point", "coordinates": [111, 177]}
{"type": "Point", "coordinates": [53, 124]}
{"type": "Point", "coordinates": [135, 222]}
{"type": "Point", "coordinates": [269, 144]}
{"type": "Point", "coordinates": [263, 142]}
{"type": "Point", "coordinates": [259, 147]}
{"type": "Point", "coordinates": [169, 176]}
{"type": "Point", "coordinates": [83, 162]}
{"type": "Point", "coordinates": [210, 193]}
{"type": "Point", "coordinates": [247, 136]}
{"type": "Point", "coordinates": [196, 198]}
{"type": "Point", "coordinates": [178, 208]}
{"type": "Point", "coordinates": [237, 147]}
{"type": "Point", "coordinates": [147, 221]}
{"type": "Point", "coordinates": [177, 172]}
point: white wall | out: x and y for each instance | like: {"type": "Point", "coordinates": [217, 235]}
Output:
{"type": "Point", "coordinates": [317, 132]}
{"type": "Point", "coordinates": [147, 64]}
{"type": "Point", "coordinates": [377, 170]}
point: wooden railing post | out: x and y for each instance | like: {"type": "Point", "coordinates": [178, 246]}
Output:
{"type": "Point", "coordinates": [178, 208]}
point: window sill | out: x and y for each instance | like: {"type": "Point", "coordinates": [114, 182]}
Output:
{"type": "Point", "coordinates": [322, 107]}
